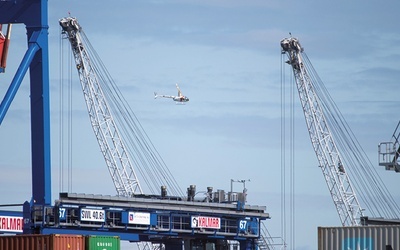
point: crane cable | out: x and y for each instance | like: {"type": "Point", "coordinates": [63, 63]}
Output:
{"type": "Point", "coordinates": [290, 157]}
{"type": "Point", "coordinates": [283, 153]}
{"type": "Point", "coordinates": [65, 118]}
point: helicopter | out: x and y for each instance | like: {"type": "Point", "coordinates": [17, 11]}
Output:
{"type": "Point", "coordinates": [179, 99]}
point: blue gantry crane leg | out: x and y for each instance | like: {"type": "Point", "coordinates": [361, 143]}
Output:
{"type": "Point", "coordinates": [33, 13]}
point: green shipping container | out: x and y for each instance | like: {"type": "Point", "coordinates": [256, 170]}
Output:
{"type": "Point", "coordinates": [103, 243]}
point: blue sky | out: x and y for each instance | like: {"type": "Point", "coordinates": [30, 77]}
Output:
{"type": "Point", "coordinates": [225, 55]}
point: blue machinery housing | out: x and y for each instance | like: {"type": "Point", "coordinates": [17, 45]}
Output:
{"type": "Point", "coordinates": [148, 218]}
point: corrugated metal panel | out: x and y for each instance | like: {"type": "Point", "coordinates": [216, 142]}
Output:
{"type": "Point", "coordinates": [42, 242]}
{"type": "Point", "coordinates": [384, 237]}
{"type": "Point", "coordinates": [103, 243]}
{"type": "Point", "coordinates": [25, 242]}
{"type": "Point", "coordinates": [67, 242]}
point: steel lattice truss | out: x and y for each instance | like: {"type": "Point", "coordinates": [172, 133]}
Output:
{"type": "Point", "coordinates": [105, 129]}
{"type": "Point", "coordinates": [329, 159]}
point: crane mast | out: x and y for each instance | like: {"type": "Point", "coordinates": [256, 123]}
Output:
{"type": "Point", "coordinates": [329, 159]}
{"type": "Point", "coordinates": [104, 127]}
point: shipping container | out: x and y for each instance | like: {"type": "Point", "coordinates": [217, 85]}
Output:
{"type": "Point", "coordinates": [42, 242]}
{"type": "Point", "coordinates": [386, 237]}
{"type": "Point", "coordinates": [103, 243]}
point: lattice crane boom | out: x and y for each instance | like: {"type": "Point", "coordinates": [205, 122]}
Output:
{"type": "Point", "coordinates": [108, 137]}
{"type": "Point", "coordinates": [329, 159]}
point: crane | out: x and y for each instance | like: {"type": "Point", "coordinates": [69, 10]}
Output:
{"type": "Point", "coordinates": [108, 136]}
{"type": "Point", "coordinates": [329, 158]}
{"type": "Point", "coordinates": [111, 140]}
{"type": "Point", "coordinates": [127, 150]}
{"type": "Point", "coordinates": [344, 164]}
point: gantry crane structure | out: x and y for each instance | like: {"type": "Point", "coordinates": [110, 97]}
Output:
{"type": "Point", "coordinates": [344, 164]}
{"type": "Point", "coordinates": [112, 146]}
{"type": "Point", "coordinates": [111, 143]}
{"type": "Point", "coordinates": [329, 159]}
{"type": "Point", "coordinates": [33, 14]}
{"type": "Point", "coordinates": [217, 218]}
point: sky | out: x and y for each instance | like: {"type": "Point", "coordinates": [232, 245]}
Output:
{"type": "Point", "coordinates": [226, 57]}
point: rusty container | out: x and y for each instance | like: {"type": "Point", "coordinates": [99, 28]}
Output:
{"type": "Point", "coordinates": [42, 242]}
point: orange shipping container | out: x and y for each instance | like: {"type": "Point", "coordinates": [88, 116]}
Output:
{"type": "Point", "coordinates": [43, 242]}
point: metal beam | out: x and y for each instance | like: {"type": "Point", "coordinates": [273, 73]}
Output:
{"type": "Point", "coordinates": [34, 14]}
{"type": "Point", "coordinates": [16, 82]}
